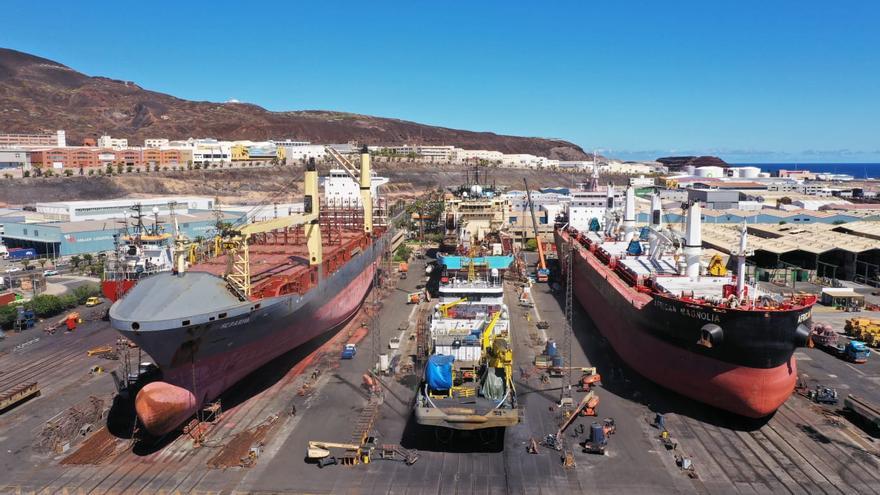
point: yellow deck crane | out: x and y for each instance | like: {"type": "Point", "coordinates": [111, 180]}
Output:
{"type": "Point", "coordinates": [235, 241]}
{"type": "Point", "coordinates": [444, 308]}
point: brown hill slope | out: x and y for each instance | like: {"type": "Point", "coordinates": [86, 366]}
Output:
{"type": "Point", "coordinates": [38, 94]}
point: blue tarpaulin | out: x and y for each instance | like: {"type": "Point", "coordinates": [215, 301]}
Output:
{"type": "Point", "coordinates": [438, 372]}
{"type": "Point", "coordinates": [455, 262]}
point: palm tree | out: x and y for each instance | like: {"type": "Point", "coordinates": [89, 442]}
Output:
{"type": "Point", "coordinates": [75, 261]}
{"type": "Point", "coordinates": [25, 263]}
{"type": "Point", "coordinates": [42, 262]}
{"type": "Point", "coordinates": [87, 257]}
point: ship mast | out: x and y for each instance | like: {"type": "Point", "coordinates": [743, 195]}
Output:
{"type": "Point", "coordinates": [629, 214]}
{"type": "Point", "coordinates": [741, 255]}
{"type": "Point", "coordinates": [366, 180]}
{"type": "Point", "coordinates": [693, 241]}
{"type": "Point", "coordinates": [609, 209]}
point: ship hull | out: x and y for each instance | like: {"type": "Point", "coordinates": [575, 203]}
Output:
{"type": "Point", "coordinates": [751, 373]}
{"type": "Point", "coordinates": [114, 289]}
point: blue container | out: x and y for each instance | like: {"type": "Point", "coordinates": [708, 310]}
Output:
{"type": "Point", "coordinates": [597, 434]}
{"type": "Point", "coordinates": [558, 361]}
{"type": "Point", "coordinates": [438, 372]}
{"type": "Point", "coordinates": [550, 348]}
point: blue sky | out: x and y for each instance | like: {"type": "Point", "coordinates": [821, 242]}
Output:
{"type": "Point", "coordinates": [778, 80]}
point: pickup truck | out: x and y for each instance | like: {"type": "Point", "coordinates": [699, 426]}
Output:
{"type": "Point", "coordinates": [349, 351]}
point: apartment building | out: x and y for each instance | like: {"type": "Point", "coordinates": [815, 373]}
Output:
{"type": "Point", "coordinates": [58, 139]}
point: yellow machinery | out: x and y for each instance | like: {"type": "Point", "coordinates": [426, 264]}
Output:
{"type": "Point", "coordinates": [104, 349]}
{"type": "Point", "coordinates": [487, 332]}
{"type": "Point", "coordinates": [235, 244]}
{"type": "Point", "coordinates": [444, 308]}
{"type": "Point", "coordinates": [497, 352]}
{"type": "Point", "coordinates": [321, 450]}
{"type": "Point", "coordinates": [865, 329]}
{"type": "Point", "coordinates": [716, 266]}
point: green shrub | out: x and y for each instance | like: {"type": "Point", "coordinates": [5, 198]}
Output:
{"type": "Point", "coordinates": [7, 315]}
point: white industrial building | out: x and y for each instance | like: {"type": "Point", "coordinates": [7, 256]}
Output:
{"type": "Point", "coordinates": [340, 189]}
{"type": "Point", "coordinates": [259, 213]}
{"type": "Point", "coordinates": [297, 152]}
{"type": "Point", "coordinates": [76, 211]}
{"type": "Point", "coordinates": [473, 155]}
{"type": "Point", "coordinates": [155, 143]}
{"type": "Point", "coordinates": [114, 143]}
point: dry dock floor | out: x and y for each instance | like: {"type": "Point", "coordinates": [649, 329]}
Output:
{"type": "Point", "coordinates": [803, 448]}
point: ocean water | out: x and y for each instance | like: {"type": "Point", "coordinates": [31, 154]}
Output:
{"type": "Point", "coordinates": [857, 170]}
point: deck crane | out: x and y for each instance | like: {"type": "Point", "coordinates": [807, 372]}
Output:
{"type": "Point", "coordinates": [444, 308]}
{"type": "Point", "coordinates": [542, 272]}
{"type": "Point", "coordinates": [235, 241]}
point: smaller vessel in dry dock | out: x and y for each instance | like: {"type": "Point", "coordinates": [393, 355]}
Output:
{"type": "Point", "coordinates": [468, 381]}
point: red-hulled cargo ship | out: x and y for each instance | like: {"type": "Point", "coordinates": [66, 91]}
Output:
{"type": "Point", "coordinates": [280, 283]}
{"type": "Point", "coordinates": [709, 337]}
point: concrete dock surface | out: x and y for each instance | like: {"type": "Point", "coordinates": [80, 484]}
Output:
{"type": "Point", "coordinates": [803, 448]}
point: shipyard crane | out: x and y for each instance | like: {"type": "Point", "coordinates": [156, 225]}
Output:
{"type": "Point", "coordinates": [542, 273]}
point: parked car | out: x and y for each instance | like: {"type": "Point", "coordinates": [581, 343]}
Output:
{"type": "Point", "coordinates": [349, 351]}
{"type": "Point", "coordinates": [13, 269]}
{"type": "Point", "coordinates": [93, 301]}
{"type": "Point", "coordinates": [49, 273]}
{"type": "Point", "coordinates": [394, 343]}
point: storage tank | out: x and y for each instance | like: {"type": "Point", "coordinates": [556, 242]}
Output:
{"type": "Point", "coordinates": [710, 171]}
{"type": "Point", "coordinates": [749, 172]}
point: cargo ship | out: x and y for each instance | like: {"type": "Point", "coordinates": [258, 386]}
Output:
{"type": "Point", "coordinates": [468, 382]}
{"type": "Point", "coordinates": [277, 284]}
{"type": "Point", "coordinates": [708, 336]}
{"type": "Point", "coordinates": [140, 251]}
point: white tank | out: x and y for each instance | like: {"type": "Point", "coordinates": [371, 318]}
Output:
{"type": "Point", "coordinates": [749, 172]}
{"type": "Point", "coordinates": [476, 189]}
{"type": "Point", "coordinates": [710, 171]}
{"type": "Point", "coordinates": [689, 169]}
{"type": "Point", "coordinates": [734, 172]}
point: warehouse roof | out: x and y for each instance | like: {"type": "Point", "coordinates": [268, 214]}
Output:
{"type": "Point", "coordinates": [115, 224]}
{"type": "Point", "coordinates": [816, 241]}
{"type": "Point", "coordinates": [861, 228]}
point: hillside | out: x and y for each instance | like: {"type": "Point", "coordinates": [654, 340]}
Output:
{"type": "Point", "coordinates": [255, 185]}
{"type": "Point", "coordinates": [39, 94]}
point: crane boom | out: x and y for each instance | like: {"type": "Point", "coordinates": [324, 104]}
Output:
{"type": "Point", "coordinates": [542, 271]}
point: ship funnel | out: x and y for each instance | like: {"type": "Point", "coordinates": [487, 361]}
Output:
{"type": "Point", "coordinates": [693, 243]}
{"type": "Point", "coordinates": [629, 214]}
{"type": "Point", "coordinates": [311, 208]}
{"type": "Point", "coordinates": [366, 193]}
{"type": "Point", "coordinates": [656, 212]}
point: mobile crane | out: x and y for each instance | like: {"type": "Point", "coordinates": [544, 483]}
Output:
{"type": "Point", "coordinates": [542, 272]}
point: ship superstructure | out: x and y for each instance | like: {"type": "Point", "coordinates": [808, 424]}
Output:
{"type": "Point", "coordinates": [699, 331]}
{"type": "Point", "coordinates": [468, 381]}
{"type": "Point", "coordinates": [275, 285]}
{"type": "Point", "coordinates": [140, 251]}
